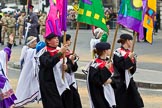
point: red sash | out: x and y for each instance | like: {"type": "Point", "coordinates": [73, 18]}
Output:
{"type": "Point", "coordinates": [102, 64]}
{"type": "Point", "coordinates": [52, 51]}
{"type": "Point", "coordinates": [127, 54]}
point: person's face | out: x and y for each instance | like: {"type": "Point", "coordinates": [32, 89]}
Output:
{"type": "Point", "coordinates": [54, 42]}
{"type": "Point", "coordinates": [68, 42]}
{"type": "Point", "coordinates": [129, 43]}
{"type": "Point", "coordinates": [30, 10]}
{"type": "Point", "coordinates": [23, 14]}
{"type": "Point", "coordinates": [33, 44]}
{"type": "Point", "coordinates": [108, 52]}
{"type": "Point", "coordinates": [43, 14]}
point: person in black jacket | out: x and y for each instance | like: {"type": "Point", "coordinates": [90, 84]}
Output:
{"type": "Point", "coordinates": [127, 95]}
{"type": "Point", "coordinates": [72, 59]}
{"type": "Point", "coordinates": [99, 79]}
{"type": "Point", "coordinates": [54, 87]}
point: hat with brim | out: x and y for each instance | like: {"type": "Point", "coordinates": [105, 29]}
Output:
{"type": "Point", "coordinates": [50, 36]}
{"type": "Point", "coordinates": [103, 46]}
{"type": "Point", "coordinates": [126, 37]}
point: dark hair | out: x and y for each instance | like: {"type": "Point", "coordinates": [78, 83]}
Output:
{"type": "Point", "coordinates": [50, 36]}
{"type": "Point", "coordinates": [98, 52]}
{"type": "Point", "coordinates": [124, 38]}
{"type": "Point", "coordinates": [122, 41]}
{"type": "Point", "coordinates": [68, 37]}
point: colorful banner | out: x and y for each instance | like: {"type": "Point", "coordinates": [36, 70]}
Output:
{"type": "Point", "coordinates": [62, 8]}
{"type": "Point", "coordinates": [56, 19]}
{"type": "Point", "coordinates": [149, 14]}
{"type": "Point", "coordinates": [130, 15]}
{"type": "Point", "coordinates": [92, 12]}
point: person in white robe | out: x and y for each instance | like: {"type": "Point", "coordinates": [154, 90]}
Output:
{"type": "Point", "coordinates": [7, 96]}
{"type": "Point", "coordinates": [28, 86]}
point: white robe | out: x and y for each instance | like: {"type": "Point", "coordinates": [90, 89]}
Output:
{"type": "Point", "coordinates": [28, 85]}
{"type": "Point", "coordinates": [6, 92]}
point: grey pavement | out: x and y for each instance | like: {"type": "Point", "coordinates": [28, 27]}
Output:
{"type": "Point", "coordinates": [149, 71]}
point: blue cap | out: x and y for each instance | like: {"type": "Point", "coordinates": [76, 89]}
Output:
{"type": "Point", "coordinates": [40, 45]}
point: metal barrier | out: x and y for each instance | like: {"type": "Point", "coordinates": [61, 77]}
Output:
{"type": "Point", "coordinates": [113, 23]}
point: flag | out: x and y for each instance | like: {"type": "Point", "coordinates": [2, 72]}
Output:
{"type": "Point", "coordinates": [62, 8]}
{"type": "Point", "coordinates": [130, 15]}
{"type": "Point", "coordinates": [52, 21]}
{"type": "Point", "coordinates": [92, 12]}
{"type": "Point", "coordinates": [149, 7]}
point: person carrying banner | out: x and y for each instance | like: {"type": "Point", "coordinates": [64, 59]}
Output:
{"type": "Point", "coordinates": [54, 87]}
{"type": "Point", "coordinates": [99, 79]}
{"type": "Point", "coordinates": [72, 59]}
{"type": "Point", "coordinates": [127, 95]}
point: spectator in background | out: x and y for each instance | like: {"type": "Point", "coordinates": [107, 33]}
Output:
{"type": "Point", "coordinates": [20, 21]}
{"type": "Point", "coordinates": [42, 23]}
{"type": "Point", "coordinates": [11, 21]}
{"type": "Point", "coordinates": [33, 23]}
{"type": "Point", "coordinates": [107, 18]}
{"type": "Point", "coordinates": [157, 22]}
{"type": "Point", "coordinates": [72, 19]}
{"type": "Point", "coordinates": [4, 27]}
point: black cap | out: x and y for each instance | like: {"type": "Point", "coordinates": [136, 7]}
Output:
{"type": "Point", "coordinates": [68, 37]}
{"type": "Point", "coordinates": [126, 37]}
{"type": "Point", "coordinates": [50, 36]}
{"type": "Point", "coordinates": [103, 46]}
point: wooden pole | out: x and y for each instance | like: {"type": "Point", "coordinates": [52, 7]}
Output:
{"type": "Point", "coordinates": [76, 35]}
{"type": "Point", "coordinates": [114, 41]}
{"type": "Point", "coordinates": [134, 41]}
{"type": "Point", "coordinates": [27, 11]}
{"type": "Point", "coordinates": [64, 42]}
